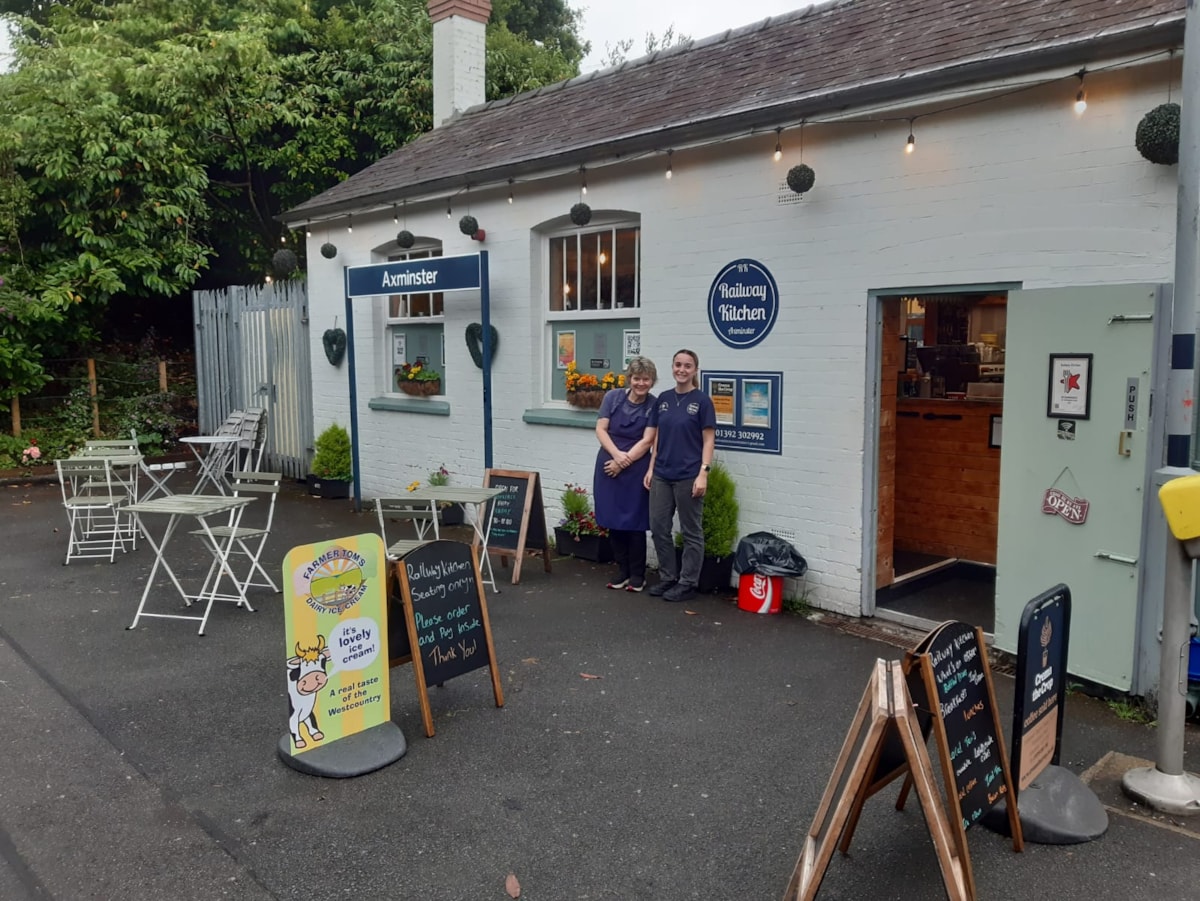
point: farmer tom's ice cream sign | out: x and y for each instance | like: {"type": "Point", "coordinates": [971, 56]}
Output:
{"type": "Point", "coordinates": [743, 303]}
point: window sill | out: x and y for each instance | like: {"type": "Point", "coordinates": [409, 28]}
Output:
{"type": "Point", "coordinates": [407, 405]}
{"type": "Point", "coordinates": [576, 419]}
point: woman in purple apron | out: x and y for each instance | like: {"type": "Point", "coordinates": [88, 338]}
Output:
{"type": "Point", "coordinates": [622, 499]}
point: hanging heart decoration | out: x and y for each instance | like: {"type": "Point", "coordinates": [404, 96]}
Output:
{"type": "Point", "coordinates": [334, 340]}
{"type": "Point", "coordinates": [474, 337]}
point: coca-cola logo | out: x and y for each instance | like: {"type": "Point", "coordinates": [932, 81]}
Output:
{"type": "Point", "coordinates": [1073, 509]}
{"type": "Point", "coordinates": [760, 588]}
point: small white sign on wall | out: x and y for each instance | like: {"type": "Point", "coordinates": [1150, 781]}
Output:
{"type": "Point", "coordinates": [399, 349]}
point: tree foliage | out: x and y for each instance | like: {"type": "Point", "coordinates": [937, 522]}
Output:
{"type": "Point", "coordinates": [150, 144]}
{"type": "Point", "coordinates": [615, 54]}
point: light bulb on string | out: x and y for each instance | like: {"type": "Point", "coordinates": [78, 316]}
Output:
{"type": "Point", "coordinates": [395, 215]}
{"type": "Point", "coordinates": [510, 190]}
{"type": "Point", "coordinates": [449, 211]}
{"type": "Point", "coordinates": [582, 181]}
{"type": "Point", "coordinates": [350, 225]}
{"type": "Point", "coordinates": [911, 144]}
{"type": "Point", "coordinates": [1081, 95]}
{"type": "Point", "coordinates": [778, 144]}
{"type": "Point", "coordinates": [307, 230]}
{"type": "Point", "coordinates": [670, 166]}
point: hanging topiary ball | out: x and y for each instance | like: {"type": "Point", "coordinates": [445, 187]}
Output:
{"type": "Point", "coordinates": [284, 262]}
{"type": "Point", "coordinates": [405, 239]}
{"type": "Point", "coordinates": [581, 214]}
{"type": "Point", "coordinates": [328, 251]}
{"type": "Point", "coordinates": [469, 226]}
{"type": "Point", "coordinates": [1157, 137]}
{"type": "Point", "coordinates": [801, 178]}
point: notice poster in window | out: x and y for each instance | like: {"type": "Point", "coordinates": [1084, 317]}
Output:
{"type": "Point", "coordinates": [566, 349]}
{"type": "Point", "coordinates": [399, 351]}
{"type": "Point", "coordinates": [633, 344]}
{"type": "Point", "coordinates": [721, 392]}
{"type": "Point", "coordinates": [756, 403]}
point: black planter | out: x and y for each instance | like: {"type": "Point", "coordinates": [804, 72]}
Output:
{"type": "Point", "coordinates": [328, 488]}
{"type": "Point", "coordinates": [716, 573]}
{"type": "Point", "coordinates": [596, 548]}
{"type": "Point", "coordinates": [450, 516]}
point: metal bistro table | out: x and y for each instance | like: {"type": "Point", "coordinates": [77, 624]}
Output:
{"type": "Point", "coordinates": [200, 507]}
{"type": "Point", "coordinates": [215, 460]}
{"type": "Point", "coordinates": [482, 523]}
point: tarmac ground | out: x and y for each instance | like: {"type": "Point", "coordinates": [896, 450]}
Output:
{"type": "Point", "coordinates": [646, 750]}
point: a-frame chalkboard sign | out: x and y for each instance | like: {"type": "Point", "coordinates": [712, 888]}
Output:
{"type": "Point", "coordinates": [955, 689]}
{"type": "Point", "coordinates": [885, 716]}
{"type": "Point", "coordinates": [446, 618]}
{"type": "Point", "coordinates": [518, 518]}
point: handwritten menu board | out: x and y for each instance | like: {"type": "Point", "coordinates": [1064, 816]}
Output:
{"type": "Point", "coordinates": [1041, 683]}
{"type": "Point", "coordinates": [518, 518]}
{"type": "Point", "coordinates": [968, 717]}
{"type": "Point", "coordinates": [446, 616]}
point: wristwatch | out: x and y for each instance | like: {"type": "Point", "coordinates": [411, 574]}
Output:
{"type": "Point", "coordinates": [705, 467]}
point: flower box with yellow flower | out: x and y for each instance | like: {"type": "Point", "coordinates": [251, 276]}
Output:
{"type": "Point", "coordinates": [417, 380]}
{"type": "Point", "coordinates": [587, 391]}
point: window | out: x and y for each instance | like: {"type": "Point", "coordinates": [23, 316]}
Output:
{"type": "Point", "coordinates": [595, 270]}
{"type": "Point", "coordinates": [593, 301]}
{"type": "Point", "coordinates": [415, 325]}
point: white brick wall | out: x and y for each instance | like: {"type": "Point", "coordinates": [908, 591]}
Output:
{"type": "Point", "coordinates": [1013, 190]}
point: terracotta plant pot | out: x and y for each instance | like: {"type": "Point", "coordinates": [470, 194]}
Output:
{"type": "Point", "coordinates": [420, 389]}
{"type": "Point", "coordinates": [586, 398]}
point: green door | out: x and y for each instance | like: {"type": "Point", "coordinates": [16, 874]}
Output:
{"type": "Point", "coordinates": [1076, 445]}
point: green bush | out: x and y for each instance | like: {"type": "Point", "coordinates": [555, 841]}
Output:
{"type": "Point", "coordinates": [332, 459]}
{"type": "Point", "coordinates": [720, 514]}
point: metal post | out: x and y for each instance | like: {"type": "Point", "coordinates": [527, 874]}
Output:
{"type": "Point", "coordinates": [1166, 787]}
{"type": "Point", "coordinates": [350, 371]}
{"type": "Point", "coordinates": [485, 316]}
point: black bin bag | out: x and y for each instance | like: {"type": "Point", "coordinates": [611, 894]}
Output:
{"type": "Point", "coordinates": [768, 555]}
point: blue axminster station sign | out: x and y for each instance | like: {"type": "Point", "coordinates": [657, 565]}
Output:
{"type": "Point", "coordinates": [461, 273]}
{"type": "Point", "coordinates": [743, 303]}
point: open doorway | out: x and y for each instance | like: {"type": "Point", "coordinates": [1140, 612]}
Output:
{"type": "Point", "coordinates": [940, 435]}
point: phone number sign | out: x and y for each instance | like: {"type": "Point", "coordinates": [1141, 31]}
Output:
{"type": "Point", "coordinates": [749, 408]}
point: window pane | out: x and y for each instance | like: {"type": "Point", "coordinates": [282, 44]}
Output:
{"type": "Point", "coordinates": [605, 268]}
{"type": "Point", "coordinates": [626, 268]}
{"type": "Point", "coordinates": [401, 306]}
{"type": "Point", "coordinates": [571, 274]}
{"type": "Point", "coordinates": [557, 246]}
{"type": "Point", "coordinates": [589, 271]}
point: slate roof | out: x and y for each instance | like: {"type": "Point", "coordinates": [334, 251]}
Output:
{"type": "Point", "coordinates": [816, 60]}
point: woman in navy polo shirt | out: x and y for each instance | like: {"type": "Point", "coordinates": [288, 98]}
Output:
{"type": "Point", "coordinates": [678, 476]}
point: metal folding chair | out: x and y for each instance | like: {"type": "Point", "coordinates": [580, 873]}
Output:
{"type": "Point", "coordinates": [254, 438]}
{"type": "Point", "coordinates": [422, 515]}
{"type": "Point", "coordinates": [247, 540]}
{"type": "Point", "coordinates": [157, 473]}
{"type": "Point", "coordinates": [93, 503]}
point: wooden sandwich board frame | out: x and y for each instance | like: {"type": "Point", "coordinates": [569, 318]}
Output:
{"type": "Point", "coordinates": [532, 507]}
{"type": "Point", "coordinates": [885, 710]}
{"type": "Point", "coordinates": [410, 621]}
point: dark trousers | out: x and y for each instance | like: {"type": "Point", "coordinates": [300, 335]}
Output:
{"type": "Point", "coordinates": [629, 549]}
{"type": "Point", "coordinates": [666, 500]}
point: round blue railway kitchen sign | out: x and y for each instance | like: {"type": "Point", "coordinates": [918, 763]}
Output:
{"type": "Point", "coordinates": [743, 303]}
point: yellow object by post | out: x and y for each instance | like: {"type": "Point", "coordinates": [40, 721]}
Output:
{"type": "Point", "coordinates": [1180, 499]}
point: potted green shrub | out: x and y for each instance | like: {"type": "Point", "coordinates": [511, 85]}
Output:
{"type": "Point", "coordinates": [332, 468]}
{"type": "Point", "coordinates": [578, 533]}
{"type": "Point", "coordinates": [720, 524]}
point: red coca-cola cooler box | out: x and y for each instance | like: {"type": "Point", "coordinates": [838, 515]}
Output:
{"type": "Point", "coordinates": [760, 594]}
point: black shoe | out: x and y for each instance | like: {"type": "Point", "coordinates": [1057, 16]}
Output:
{"type": "Point", "coordinates": [657, 591]}
{"type": "Point", "coordinates": [680, 591]}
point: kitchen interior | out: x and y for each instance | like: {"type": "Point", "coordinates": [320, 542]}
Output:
{"type": "Point", "coordinates": [942, 394]}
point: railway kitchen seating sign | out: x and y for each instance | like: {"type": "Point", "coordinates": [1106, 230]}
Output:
{"type": "Point", "coordinates": [335, 665]}
{"type": "Point", "coordinates": [446, 616]}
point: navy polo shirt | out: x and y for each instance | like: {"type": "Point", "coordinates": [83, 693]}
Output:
{"type": "Point", "coordinates": [681, 420]}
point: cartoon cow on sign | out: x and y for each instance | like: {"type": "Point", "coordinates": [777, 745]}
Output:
{"type": "Point", "coordinates": [306, 677]}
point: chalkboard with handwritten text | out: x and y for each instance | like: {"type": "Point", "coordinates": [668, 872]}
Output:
{"type": "Point", "coordinates": [966, 711]}
{"type": "Point", "coordinates": [446, 616]}
{"type": "Point", "coordinates": [518, 518]}
{"type": "Point", "coordinates": [958, 680]}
